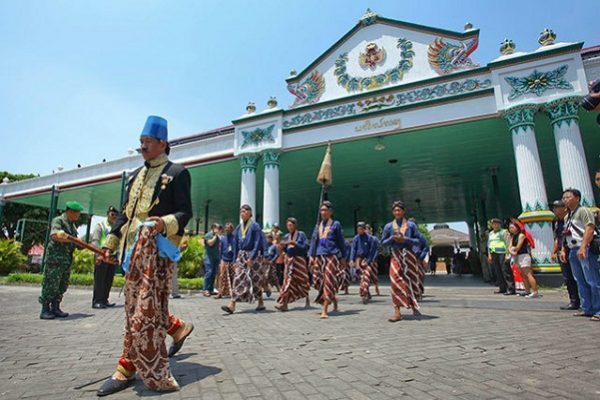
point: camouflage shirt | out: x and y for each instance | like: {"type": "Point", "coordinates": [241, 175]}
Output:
{"type": "Point", "coordinates": [58, 251]}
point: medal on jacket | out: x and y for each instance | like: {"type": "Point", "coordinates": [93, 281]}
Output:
{"type": "Point", "coordinates": [324, 231]}
{"type": "Point", "coordinates": [245, 228]}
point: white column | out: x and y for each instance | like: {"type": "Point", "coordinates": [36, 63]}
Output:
{"type": "Point", "coordinates": [534, 201]}
{"type": "Point", "coordinates": [574, 171]}
{"type": "Point", "coordinates": [271, 189]}
{"type": "Point", "coordinates": [248, 193]}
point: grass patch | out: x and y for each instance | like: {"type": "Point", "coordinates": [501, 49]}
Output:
{"type": "Point", "coordinates": [88, 280]}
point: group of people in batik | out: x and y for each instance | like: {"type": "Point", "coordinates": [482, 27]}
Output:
{"type": "Point", "coordinates": [146, 238]}
{"type": "Point", "coordinates": [251, 260]}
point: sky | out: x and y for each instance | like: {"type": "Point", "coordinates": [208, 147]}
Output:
{"type": "Point", "coordinates": [79, 78]}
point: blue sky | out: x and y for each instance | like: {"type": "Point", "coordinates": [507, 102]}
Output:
{"type": "Point", "coordinates": [78, 78]}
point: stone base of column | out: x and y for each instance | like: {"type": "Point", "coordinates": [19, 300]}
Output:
{"type": "Point", "coordinates": [539, 223]}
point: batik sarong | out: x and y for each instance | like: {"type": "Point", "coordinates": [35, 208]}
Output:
{"type": "Point", "coordinates": [271, 269]}
{"type": "Point", "coordinates": [225, 277]}
{"type": "Point", "coordinates": [344, 278]}
{"type": "Point", "coordinates": [374, 273]}
{"type": "Point", "coordinates": [248, 280]}
{"type": "Point", "coordinates": [326, 278]}
{"type": "Point", "coordinates": [367, 270]}
{"type": "Point", "coordinates": [420, 279]}
{"type": "Point", "coordinates": [295, 280]}
{"type": "Point", "coordinates": [403, 278]}
{"type": "Point", "coordinates": [147, 287]}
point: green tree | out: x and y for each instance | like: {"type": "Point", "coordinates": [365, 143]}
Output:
{"type": "Point", "coordinates": [13, 212]}
{"type": "Point", "coordinates": [425, 232]}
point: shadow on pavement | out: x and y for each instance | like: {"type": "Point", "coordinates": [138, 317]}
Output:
{"type": "Point", "coordinates": [184, 372]}
{"type": "Point", "coordinates": [344, 312]}
{"type": "Point", "coordinates": [74, 316]}
{"type": "Point", "coordinates": [422, 317]}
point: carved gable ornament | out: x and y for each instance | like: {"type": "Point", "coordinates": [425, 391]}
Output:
{"type": "Point", "coordinates": [358, 83]}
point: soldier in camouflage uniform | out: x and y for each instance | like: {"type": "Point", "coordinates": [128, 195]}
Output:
{"type": "Point", "coordinates": [58, 261]}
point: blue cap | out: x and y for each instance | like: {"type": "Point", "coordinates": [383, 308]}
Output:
{"type": "Point", "coordinates": [156, 127]}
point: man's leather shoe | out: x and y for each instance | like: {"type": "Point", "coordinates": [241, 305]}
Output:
{"type": "Point", "coordinates": [499, 292]}
{"type": "Point", "coordinates": [113, 385]}
{"type": "Point", "coordinates": [109, 304]}
{"type": "Point", "coordinates": [98, 305]}
{"type": "Point", "coordinates": [176, 346]}
{"type": "Point", "coordinates": [569, 306]}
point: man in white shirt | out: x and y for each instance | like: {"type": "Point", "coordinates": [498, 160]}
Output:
{"type": "Point", "coordinates": [579, 232]}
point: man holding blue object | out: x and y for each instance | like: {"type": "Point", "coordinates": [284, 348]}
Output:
{"type": "Point", "coordinates": [158, 198]}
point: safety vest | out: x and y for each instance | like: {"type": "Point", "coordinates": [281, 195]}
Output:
{"type": "Point", "coordinates": [496, 242]}
{"type": "Point", "coordinates": [104, 232]}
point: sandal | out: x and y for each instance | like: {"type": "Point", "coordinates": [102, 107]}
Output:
{"type": "Point", "coordinates": [395, 319]}
{"type": "Point", "coordinates": [227, 309]}
{"type": "Point", "coordinates": [595, 317]}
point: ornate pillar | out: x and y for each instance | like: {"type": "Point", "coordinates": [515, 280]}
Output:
{"type": "Point", "coordinates": [534, 201]}
{"type": "Point", "coordinates": [248, 193]}
{"type": "Point", "coordinates": [574, 171]}
{"type": "Point", "coordinates": [271, 189]}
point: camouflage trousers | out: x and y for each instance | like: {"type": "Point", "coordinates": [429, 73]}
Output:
{"type": "Point", "coordinates": [56, 280]}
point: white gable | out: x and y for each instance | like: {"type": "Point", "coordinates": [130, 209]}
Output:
{"type": "Point", "coordinates": [383, 54]}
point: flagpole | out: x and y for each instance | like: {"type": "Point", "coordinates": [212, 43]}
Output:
{"type": "Point", "coordinates": [325, 179]}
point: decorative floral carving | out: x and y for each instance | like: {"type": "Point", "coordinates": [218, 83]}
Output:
{"type": "Point", "coordinates": [442, 90]}
{"type": "Point", "coordinates": [372, 56]}
{"type": "Point", "coordinates": [376, 103]}
{"type": "Point", "coordinates": [258, 136]}
{"type": "Point", "coordinates": [271, 159]}
{"type": "Point", "coordinates": [393, 75]}
{"type": "Point", "coordinates": [520, 117]}
{"type": "Point", "coordinates": [563, 110]}
{"type": "Point", "coordinates": [320, 115]}
{"type": "Point", "coordinates": [538, 82]}
{"type": "Point", "coordinates": [309, 91]}
{"type": "Point", "coordinates": [447, 57]}
{"type": "Point", "coordinates": [248, 162]}
{"type": "Point", "coordinates": [384, 101]}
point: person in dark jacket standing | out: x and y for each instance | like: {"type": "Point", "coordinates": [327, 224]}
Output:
{"type": "Point", "coordinates": [156, 209]}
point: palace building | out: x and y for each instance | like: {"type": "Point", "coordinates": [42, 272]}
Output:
{"type": "Point", "coordinates": [409, 115]}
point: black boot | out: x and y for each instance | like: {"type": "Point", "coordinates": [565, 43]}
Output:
{"type": "Point", "coordinates": [46, 313]}
{"type": "Point", "coordinates": [57, 311]}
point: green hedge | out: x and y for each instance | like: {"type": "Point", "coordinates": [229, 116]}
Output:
{"type": "Point", "coordinates": [83, 261]}
{"type": "Point", "coordinates": [88, 280]}
{"type": "Point", "coordinates": [11, 257]}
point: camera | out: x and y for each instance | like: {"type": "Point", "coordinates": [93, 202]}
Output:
{"type": "Point", "coordinates": [588, 102]}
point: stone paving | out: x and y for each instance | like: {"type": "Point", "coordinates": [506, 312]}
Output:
{"type": "Point", "coordinates": [470, 344]}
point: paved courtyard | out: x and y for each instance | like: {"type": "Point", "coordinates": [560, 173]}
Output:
{"type": "Point", "coordinates": [470, 344]}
